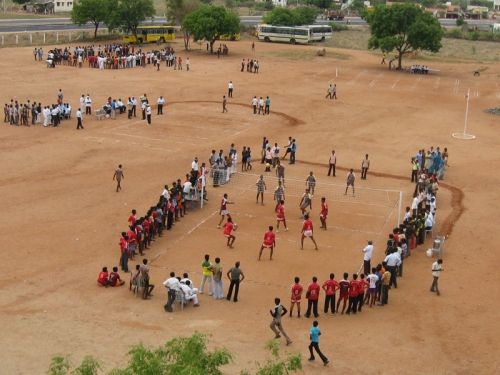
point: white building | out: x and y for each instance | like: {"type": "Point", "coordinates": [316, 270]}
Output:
{"type": "Point", "coordinates": [63, 5]}
{"type": "Point", "coordinates": [282, 3]}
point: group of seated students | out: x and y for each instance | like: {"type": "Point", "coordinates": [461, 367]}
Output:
{"type": "Point", "coordinates": [114, 105]}
{"type": "Point", "coordinates": [106, 279]}
{"type": "Point", "coordinates": [419, 69]}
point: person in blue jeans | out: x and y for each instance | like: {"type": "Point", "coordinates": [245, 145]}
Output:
{"type": "Point", "coordinates": [314, 334]}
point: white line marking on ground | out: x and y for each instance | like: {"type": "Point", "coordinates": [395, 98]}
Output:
{"type": "Point", "coordinates": [395, 83]}
{"type": "Point", "coordinates": [172, 244]}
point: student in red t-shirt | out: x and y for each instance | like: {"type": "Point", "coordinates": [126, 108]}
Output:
{"type": "Point", "coordinates": [132, 218]}
{"type": "Point", "coordinates": [228, 229]}
{"type": "Point", "coordinates": [344, 286]}
{"type": "Point", "coordinates": [124, 252]}
{"type": "Point", "coordinates": [312, 298]}
{"type": "Point", "coordinates": [330, 287]}
{"type": "Point", "coordinates": [280, 215]}
{"type": "Point", "coordinates": [307, 231]}
{"type": "Point", "coordinates": [102, 280]}
{"type": "Point", "coordinates": [323, 213]}
{"type": "Point", "coordinates": [132, 242]}
{"type": "Point", "coordinates": [296, 296]}
{"type": "Point", "coordinates": [363, 286]}
{"type": "Point", "coordinates": [223, 209]}
{"type": "Point", "coordinates": [353, 294]}
{"type": "Point", "coordinates": [114, 278]}
{"type": "Point", "coordinates": [269, 242]}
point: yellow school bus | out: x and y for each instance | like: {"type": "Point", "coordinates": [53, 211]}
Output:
{"type": "Point", "coordinates": [152, 34]}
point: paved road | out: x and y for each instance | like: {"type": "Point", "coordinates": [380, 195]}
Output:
{"type": "Point", "coordinates": [58, 24]}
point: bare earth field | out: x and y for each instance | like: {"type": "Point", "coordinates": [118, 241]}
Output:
{"type": "Point", "coordinates": [61, 217]}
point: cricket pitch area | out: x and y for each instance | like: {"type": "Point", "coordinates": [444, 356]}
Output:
{"type": "Point", "coordinates": [62, 218]}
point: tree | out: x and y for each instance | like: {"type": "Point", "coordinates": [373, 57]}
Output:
{"type": "Point", "coordinates": [94, 11]}
{"type": "Point", "coordinates": [358, 6]}
{"type": "Point", "coordinates": [128, 14]}
{"type": "Point", "coordinates": [210, 22]}
{"type": "Point", "coordinates": [277, 365]}
{"type": "Point", "coordinates": [322, 4]}
{"type": "Point", "coordinates": [177, 10]}
{"type": "Point", "coordinates": [404, 28]}
{"type": "Point", "coordinates": [280, 16]}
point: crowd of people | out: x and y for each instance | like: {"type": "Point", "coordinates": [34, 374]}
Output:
{"type": "Point", "coordinates": [250, 65]}
{"type": "Point", "coordinates": [419, 69]}
{"type": "Point", "coordinates": [112, 56]}
{"type": "Point", "coordinates": [33, 113]}
{"type": "Point", "coordinates": [169, 209]}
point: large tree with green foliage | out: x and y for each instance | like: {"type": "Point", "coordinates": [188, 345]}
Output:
{"type": "Point", "coordinates": [128, 14]}
{"type": "Point", "coordinates": [322, 4]}
{"type": "Point", "coordinates": [280, 16]}
{"type": "Point", "coordinates": [210, 22]}
{"type": "Point", "coordinates": [94, 11]}
{"type": "Point", "coordinates": [177, 10]}
{"type": "Point", "coordinates": [404, 28]}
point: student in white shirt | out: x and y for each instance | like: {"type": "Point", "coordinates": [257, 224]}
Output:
{"type": "Point", "coordinates": [367, 257]}
{"type": "Point", "coordinates": [160, 102]}
{"type": "Point", "coordinates": [173, 285]}
{"type": "Point", "coordinates": [437, 268]}
{"type": "Point", "coordinates": [148, 113]}
{"type": "Point", "coordinates": [88, 105]}
{"type": "Point", "coordinates": [79, 124]}
{"type": "Point", "coordinates": [255, 102]}
{"type": "Point", "coordinates": [230, 88]}
{"type": "Point", "coordinates": [189, 293]}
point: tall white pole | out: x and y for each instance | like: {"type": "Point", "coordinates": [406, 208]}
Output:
{"type": "Point", "coordinates": [400, 203]}
{"type": "Point", "coordinates": [466, 111]}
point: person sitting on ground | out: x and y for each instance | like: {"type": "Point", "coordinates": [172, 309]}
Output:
{"type": "Point", "coordinates": [102, 280]}
{"type": "Point", "coordinates": [189, 293]}
{"type": "Point", "coordinates": [114, 278]}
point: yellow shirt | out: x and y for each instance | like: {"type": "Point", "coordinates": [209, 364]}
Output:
{"type": "Point", "coordinates": [206, 268]}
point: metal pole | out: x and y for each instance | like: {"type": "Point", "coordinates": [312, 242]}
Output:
{"type": "Point", "coordinates": [17, 39]}
{"type": "Point", "coordinates": [400, 207]}
{"type": "Point", "coordinates": [466, 111]}
{"type": "Point", "coordinates": [31, 38]}
{"type": "Point", "coordinates": [202, 192]}
{"type": "Point", "coordinates": [43, 38]}
{"type": "Point", "coordinates": [57, 37]}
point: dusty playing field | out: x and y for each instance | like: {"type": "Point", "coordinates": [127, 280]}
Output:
{"type": "Point", "coordinates": [61, 218]}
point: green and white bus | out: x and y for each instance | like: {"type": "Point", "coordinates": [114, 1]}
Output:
{"type": "Point", "coordinates": [287, 34]}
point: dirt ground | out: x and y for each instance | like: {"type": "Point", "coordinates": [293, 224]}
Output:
{"type": "Point", "coordinates": [61, 217]}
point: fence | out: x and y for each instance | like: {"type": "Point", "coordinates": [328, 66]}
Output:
{"type": "Point", "coordinates": [52, 37]}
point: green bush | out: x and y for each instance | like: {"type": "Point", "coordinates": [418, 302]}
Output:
{"type": "Point", "coordinates": [474, 35]}
{"type": "Point", "coordinates": [454, 33]}
{"type": "Point", "coordinates": [338, 26]}
{"type": "Point", "coordinates": [265, 5]}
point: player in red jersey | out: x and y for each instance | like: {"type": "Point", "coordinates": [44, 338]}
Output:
{"type": "Point", "coordinates": [330, 287]}
{"type": "Point", "coordinates": [344, 286]}
{"type": "Point", "coordinates": [307, 231]}
{"type": "Point", "coordinates": [223, 209]}
{"type": "Point", "coordinates": [353, 294]}
{"type": "Point", "coordinates": [323, 213]}
{"type": "Point", "coordinates": [280, 215]}
{"type": "Point", "coordinates": [297, 290]}
{"type": "Point", "coordinates": [228, 229]}
{"type": "Point", "coordinates": [363, 287]}
{"type": "Point", "coordinates": [102, 280]}
{"type": "Point", "coordinates": [269, 242]}
{"type": "Point", "coordinates": [132, 218]}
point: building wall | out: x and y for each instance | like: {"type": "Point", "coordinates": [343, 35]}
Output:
{"type": "Point", "coordinates": [63, 5]}
{"type": "Point", "coordinates": [279, 3]}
